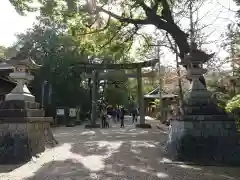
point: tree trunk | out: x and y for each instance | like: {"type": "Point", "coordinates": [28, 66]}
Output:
{"type": "Point", "coordinates": [180, 38]}
{"type": "Point", "coordinates": [179, 82]}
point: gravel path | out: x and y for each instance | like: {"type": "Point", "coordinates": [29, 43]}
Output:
{"type": "Point", "coordinates": [111, 154]}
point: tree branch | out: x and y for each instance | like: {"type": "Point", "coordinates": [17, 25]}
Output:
{"type": "Point", "coordinates": [165, 23]}
{"type": "Point", "coordinates": [110, 40]}
{"type": "Point", "coordinates": [171, 45]}
{"type": "Point", "coordinates": [98, 30]}
{"type": "Point", "coordinates": [122, 19]}
{"type": "Point", "coordinates": [166, 12]}
{"type": "Point", "coordinates": [144, 6]}
{"type": "Point", "coordinates": [155, 6]}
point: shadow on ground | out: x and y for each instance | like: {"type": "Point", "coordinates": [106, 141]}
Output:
{"type": "Point", "coordinates": [116, 154]}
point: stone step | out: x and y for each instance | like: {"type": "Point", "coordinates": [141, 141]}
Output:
{"type": "Point", "coordinates": [14, 104]}
{"type": "Point", "coordinates": [213, 117]}
{"type": "Point", "coordinates": [22, 113]}
{"type": "Point", "coordinates": [203, 111]}
{"type": "Point", "coordinates": [24, 120]}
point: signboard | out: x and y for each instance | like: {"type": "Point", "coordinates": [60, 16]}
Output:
{"type": "Point", "coordinates": [72, 112]}
{"type": "Point", "coordinates": [60, 112]}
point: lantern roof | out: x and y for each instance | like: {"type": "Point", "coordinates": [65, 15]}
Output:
{"type": "Point", "coordinates": [196, 56]}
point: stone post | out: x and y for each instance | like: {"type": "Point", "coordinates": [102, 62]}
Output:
{"type": "Point", "coordinates": [141, 100]}
{"type": "Point", "coordinates": [94, 102]}
{"type": "Point", "coordinates": [94, 98]}
{"type": "Point", "coordinates": [140, 95]}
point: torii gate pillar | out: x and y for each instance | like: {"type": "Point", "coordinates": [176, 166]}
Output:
{"type": "Point", "coordinates": [140, 95]}
{"type": "Point", "coordinates": [141, 99]}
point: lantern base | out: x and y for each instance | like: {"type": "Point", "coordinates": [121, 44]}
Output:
{"type": "Point", "coordinates": [20, 97]}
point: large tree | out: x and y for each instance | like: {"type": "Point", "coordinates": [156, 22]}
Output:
{"type": "Point", "coordinates": [48, 45]}
{"type": "Point", "coordinates": [134, 12]}
{"type": "Point", "coordinates": [95, 16]}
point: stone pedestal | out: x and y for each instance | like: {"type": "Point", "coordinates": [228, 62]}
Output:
{"type": "Point", "coordinates": [24, 131]}
{"type": "Point", "coordinates": [204, 133]}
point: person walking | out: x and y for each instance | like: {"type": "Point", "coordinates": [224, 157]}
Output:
{"type": "Point", "coordinates": [122, 113]}
{"type": "Point", "coordinates": [134, 115]}
{"type": "Point", "coordinates": [118, 114]}
{"type": "Point", "coordinates": [104, 117]}
{"type": "Point", "coordinates": [137, 114]}
{"type": "Point", "coordinates": [114, 113]}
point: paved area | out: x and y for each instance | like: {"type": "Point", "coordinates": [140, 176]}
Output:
{"type": "Point", "coordinates": [112, 154]}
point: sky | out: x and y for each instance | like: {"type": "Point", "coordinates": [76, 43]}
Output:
{"type": "Point", "coordinates": [12, 23]}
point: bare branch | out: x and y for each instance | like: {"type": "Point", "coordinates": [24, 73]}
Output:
{"type": "Point", "coordinates": [145, 38]}
{"type": "Point", "coordinates": [226, 7]}
{"type": "Point", "coordinates": [172, 46]}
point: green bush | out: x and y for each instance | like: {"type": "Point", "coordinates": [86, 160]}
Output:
{"type": "Point", "coordinates": [233, 106]}
{"type": "Point", "coordinates": [221, 99]}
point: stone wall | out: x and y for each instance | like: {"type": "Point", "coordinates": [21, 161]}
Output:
{"type": "Point", "coordinates": [38, 133]}
{"type": "Point", "coordinates": [206, 142]}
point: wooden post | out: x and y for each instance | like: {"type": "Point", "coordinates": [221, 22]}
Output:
{"type": "Point", "coordinates": [140, 95]}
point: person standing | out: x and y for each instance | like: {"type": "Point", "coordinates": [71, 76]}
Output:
{"type": "Point", "coordinates": [122, 113]}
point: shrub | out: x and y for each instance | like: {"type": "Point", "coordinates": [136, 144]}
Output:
{"type": "Point", "coordinates": [233, 106]}
{"type": "Point", "coordinates": [221, 99]}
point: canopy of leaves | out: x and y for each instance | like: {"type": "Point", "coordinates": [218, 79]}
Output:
{"type": "Point", "coordinates": [2, 51]}
{"type": "Point", "coordinates": [57, 52]}
{"type": "Point", "coordinates": [116, 90]}
{"type": "Point", "coordinates": [89, 16]}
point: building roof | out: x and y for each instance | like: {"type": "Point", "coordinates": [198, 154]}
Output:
{"type": "Point", "coordinates": [154, 94]}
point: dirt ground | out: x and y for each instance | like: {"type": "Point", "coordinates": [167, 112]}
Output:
{"type": "Point", "coordinates": [111, 154]}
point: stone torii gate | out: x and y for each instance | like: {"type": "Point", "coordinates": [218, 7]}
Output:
{"type": "Point", "coordinates": [138, 66]}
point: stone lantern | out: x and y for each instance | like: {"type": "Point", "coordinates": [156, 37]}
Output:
{"type": "Point", "coordinates": [204, 133]}
{"type": "Point", "coordinates": [22, 76]}
{"type": "Point", "coordinates": [21, 120]}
